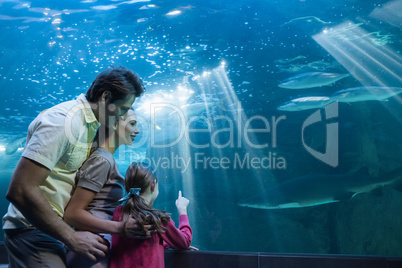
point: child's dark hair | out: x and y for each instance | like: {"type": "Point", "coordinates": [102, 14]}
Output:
{"type": "Point", "coordinates": [141, 175]}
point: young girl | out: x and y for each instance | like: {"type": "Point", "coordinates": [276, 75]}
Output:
{"type": "Point", "coordinates": [142, 187]}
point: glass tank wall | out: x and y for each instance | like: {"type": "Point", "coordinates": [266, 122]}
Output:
{"type": "Point", "coordinates": [280, 121]}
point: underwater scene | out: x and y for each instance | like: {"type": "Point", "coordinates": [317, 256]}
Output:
{"type": "Point", "coordinates": [280, 121]}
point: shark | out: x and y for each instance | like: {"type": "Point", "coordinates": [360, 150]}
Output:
{"type": "Point", "coordinates": [357, 94]}
{"type": "Point", "coordinates": [313, 190]}
{"type": "Point", "coordinates": [13, 146]}
{"type": "Point", "coordinates": [305, 103]}
{"type": "Point", "coordinates": [311, 79]}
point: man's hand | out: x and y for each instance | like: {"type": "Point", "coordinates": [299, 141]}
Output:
{"type": "Point", "coordinates": [90, 245]}
{"type": "Point", "coordinates": [133, 230]}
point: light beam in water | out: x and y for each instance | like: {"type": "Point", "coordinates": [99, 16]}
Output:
{"type": "Point", "coordinates": [357, 51]}
{"type": "Point", "coordinates": [231, 115]}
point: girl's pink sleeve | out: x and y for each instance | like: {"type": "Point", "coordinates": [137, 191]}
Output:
{"type": "Point", "coordinates": [118, 214]}
{"type": "Point", "coordinates": [178, 238]}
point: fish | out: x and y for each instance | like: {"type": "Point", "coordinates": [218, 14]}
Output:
{"type": "Point", "coordinates": [305, 103]}
{"type": "Point", "coordinates": [315, 189]}
{"type": "Point", "coordinates": [188, 52]}
{"type": "Point", "coordinates": [357, 94]}
{"type": "Point", "coordinates": [142, 20]}
{"type": "Point", "coordinates": [308, 19]}
{"type": "Point", "coordinates": [13, 146]}
{"type": "Point", "coordinates": [311, 79]}
{"type": "Point", "coordinates": [193, 108]}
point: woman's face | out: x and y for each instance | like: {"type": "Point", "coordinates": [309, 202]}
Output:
{"type": "Point", "coordinates": [127, 128]}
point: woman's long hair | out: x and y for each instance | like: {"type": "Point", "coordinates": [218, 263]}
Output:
{"type": "Point", "coordinates": [141, 175]}
{"type": "Point", "coordinates": [101, 135]}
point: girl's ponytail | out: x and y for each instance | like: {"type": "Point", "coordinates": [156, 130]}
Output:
{"type": "Point", "coordinates": [140, 175]}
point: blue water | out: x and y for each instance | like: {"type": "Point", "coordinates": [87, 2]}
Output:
{"type": "Point", "coordinates": [214, 67]}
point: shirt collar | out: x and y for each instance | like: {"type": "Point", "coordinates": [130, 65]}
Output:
{"type": "Point", "coordinates": [88, 113]}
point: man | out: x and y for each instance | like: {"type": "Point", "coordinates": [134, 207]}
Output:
{"type": "Point", "coordinates": [58, 141]}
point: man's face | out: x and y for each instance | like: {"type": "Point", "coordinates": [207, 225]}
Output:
{"type": "Point", "coordinates": [117, 109]}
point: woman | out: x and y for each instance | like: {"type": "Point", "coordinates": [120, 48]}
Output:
{"type": "Point", "coordinates": [99, 187]}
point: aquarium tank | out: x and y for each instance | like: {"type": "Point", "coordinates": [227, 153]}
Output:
{"type": "Point", "coordinates": [279, 120]}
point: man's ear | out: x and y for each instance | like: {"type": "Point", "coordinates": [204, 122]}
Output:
{"type": "Point", "coordinates": [106, 96]}
{"type": "Point", "coordinates": [153, 185]}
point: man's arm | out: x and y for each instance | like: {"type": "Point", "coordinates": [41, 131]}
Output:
{"type": "Point", "coordinates": [25, 194]}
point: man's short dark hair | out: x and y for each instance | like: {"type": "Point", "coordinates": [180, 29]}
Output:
{"type": "Point", "coordinates": [119, 81]}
